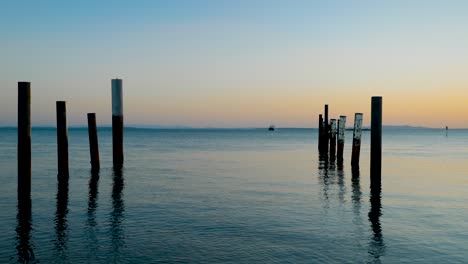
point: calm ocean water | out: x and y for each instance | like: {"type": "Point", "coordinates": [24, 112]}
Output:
{"type": "Point", "coordinates": [238, 196]}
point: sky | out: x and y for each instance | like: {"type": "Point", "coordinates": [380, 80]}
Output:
{"type": "Point", "coordinates": [241, 63]}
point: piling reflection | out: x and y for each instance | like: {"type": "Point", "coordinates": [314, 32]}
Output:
{"type": "Point", "coordinates": [91, 219]}
{"type": "Point", "coordinates": [341, 185]}
{"type": "Point", "coordinates": [356, 191]}
{"type": "Point", "coordinates": [376, 245]}
{"type": "Point", "coordinates": [117, 215]}
{"type": "Point", "coordinates": [324, 177]}
{"type": "Point", "coordinates": [61, 224]}
{"type": "Point", "coordinates": [24, 247]}
{"type": "Point", "coordinates": [92, 197]}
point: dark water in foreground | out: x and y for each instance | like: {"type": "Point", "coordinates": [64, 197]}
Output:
{"type": "Point", "coordinates": [238, 196]}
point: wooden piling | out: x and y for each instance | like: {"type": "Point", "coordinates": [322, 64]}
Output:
{"type": "Point", "coordinates": [320, 132]}
{"type": "Point", "coordinates": [62, 141]}
{"type": "Point", "coordinates": [326, 131]}
{"type": "Point", "coordinates": [339, 165]}
{"type": "Point", "coordinates": [93, 142]}
{"type": "Point", "coordinates": [117, 122]}
{"type": "Point", "coordinates": [332, 138]}
{"type": "Point", "coordinates": [326, 115]}
{"type": "Point", "coordinates": [356, 140]}
{"type": "Point", "coordinates": [376, 139]}
{"type": "Point", "coordinates": [341, 138]}
{"type": "Point", "coordinates": [24, 141]}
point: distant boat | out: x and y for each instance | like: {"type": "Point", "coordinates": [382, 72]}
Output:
{"type": "Point", "coordinates": [271, 128]}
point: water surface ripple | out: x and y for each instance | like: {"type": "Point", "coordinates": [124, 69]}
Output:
{"type": "Point", "coordinates": [237, 196]}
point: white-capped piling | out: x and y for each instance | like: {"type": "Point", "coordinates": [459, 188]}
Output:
{"type": "Point", "coordinates": [332, 138]}
{"type": "Point", "coordinates": [117, 122]}
{"type": "Point", "coordinates": [341, 138]}
{"type": "Point", "coordinates": [357, 132]}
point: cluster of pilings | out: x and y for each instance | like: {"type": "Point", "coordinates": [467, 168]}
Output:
{"type": "Point", "coordinates": [24, 137]}
{"type": "Point", "coordinates": [331, 138]}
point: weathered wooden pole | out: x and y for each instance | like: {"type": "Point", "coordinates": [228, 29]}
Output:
{"type": "Point", "coordinates": [24, 141]}
{"type": "Point", "coordinates": [376, 140]}
{"type": "Point", "coordinates": [341, 138]}
{"type": "Point", "coordinates": [62, 141]}
{"type": "Point", "coordinates": [326, 131]}
{"type": "Point", "coordinates": [339, 164]}
{"type": "Point", "coordinates": [93, 142]}
{"type": "Point", "coordinates": [326, 115]}
{"type": "Point", "coordinates": [117, 122]}
{"type": "Point", "coordinates": [356, 151]}
{"type": "Point", "coordinates": [332, 138]}
{"type": "Point", "coordinates": [320, 132]}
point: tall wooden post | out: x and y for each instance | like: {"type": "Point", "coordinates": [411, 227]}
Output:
{"type": "Point", "coordinates": [320, 132]}
{"type": "Point", "coordinates": [93, 142]}
{"type": "Point", "coordinates": [326, 130]}
{"type": "Point", "coordinates": [62, 141]}
{"type": "Point", "coordinates": [326, 115]}
{"type": "Point", "coordinates": [356, 151]}
{"type": "Point", "coordinates": [376, 140]}
{"type": "Point", "coordinates": [332, 138]}
{"type": "Point", "coordinates": [117, 122]}
{"type": "Point", "coordinates": [341, 138]}
{"type": "Point", "coordinates": [24, 141]}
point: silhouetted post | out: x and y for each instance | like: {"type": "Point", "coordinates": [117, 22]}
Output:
{"type": "Point", "coordinates": [93, 142]}
{"type": "Point", "coordinates": [117, 122]}
{"type": "Point", "coordinates": [332, 138]}
{"type": "Point", "coordinates": [320, 132]}
{"type": "Point", "coordinates": [356, 151]}
{"type": "Point", "coordinates": [62, 141]}
{"type": "Point", "coordinates": [376, 139]}
{"type": "Point", "coordinates": [339, 164]}
{"type": "Point", "coordinates": [24, 140]}
{"type": "Point", "coordinates": [326, 130]}
{"type": "Point", "coordinates": [341, 137]}
{"type": "Point", "coordinates": [326, 115]}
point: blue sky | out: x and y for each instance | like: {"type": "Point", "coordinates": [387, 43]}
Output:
{"type": "Point", "coordinates": [236, 63]}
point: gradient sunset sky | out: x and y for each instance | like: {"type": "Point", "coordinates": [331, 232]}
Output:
{"type": "Point", "coordinates": [237, 63]}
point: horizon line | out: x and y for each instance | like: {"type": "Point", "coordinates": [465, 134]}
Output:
{"type": "Point", "coordinates": [142, 126]}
